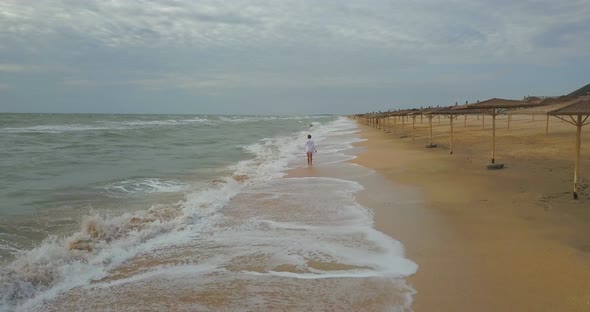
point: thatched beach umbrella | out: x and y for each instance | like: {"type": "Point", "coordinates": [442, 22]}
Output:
{"type": "Point", "coordinates": [429, 113]}
{"type": "Point", "coordinates": [453, 112]}
{"type": "Point", "coordinates": [544, 110]}
{"type": "Point", "coordinates": [381, 116]}
{"type": "Point", "coordinates": [387, 115]}
{"type": "Point", "coordinates": [578, 114]}
{"type": "Point", "coordinates": [401, 113]}
{"type": "Point", "coordinates": [370, 119]}
{"type": "Point", "coordinates": [413, 113]}
{"type": "Point", "coordinates": [494, 107]}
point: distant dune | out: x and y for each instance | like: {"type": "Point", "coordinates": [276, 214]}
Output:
{"type": "Point", "coordinates": [585, 90]}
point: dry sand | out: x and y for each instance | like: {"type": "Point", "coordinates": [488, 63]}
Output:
{"type": "Point", "coordinates": [505, 240]}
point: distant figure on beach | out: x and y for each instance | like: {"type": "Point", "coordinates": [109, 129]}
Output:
{"type": "Point", "coordinates": [310, 149]}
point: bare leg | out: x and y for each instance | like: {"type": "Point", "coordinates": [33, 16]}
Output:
{"type": "Point", "coordinates": [308, 158]}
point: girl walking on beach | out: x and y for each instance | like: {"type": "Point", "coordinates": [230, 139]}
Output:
{"type": "Point", "coordinates": [310, 149]}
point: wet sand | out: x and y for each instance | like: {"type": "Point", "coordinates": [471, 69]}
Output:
{"type": "Point", "coordinates": [505, 240]}
{"type": "Point", "coordinates": [271, 250]}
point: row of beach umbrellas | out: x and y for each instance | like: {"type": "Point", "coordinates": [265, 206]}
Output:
{"type": "Point", "coordinates": [571, 109]}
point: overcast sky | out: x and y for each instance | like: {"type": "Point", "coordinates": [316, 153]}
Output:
{"type": "Point", "coordinates": [285, 57]}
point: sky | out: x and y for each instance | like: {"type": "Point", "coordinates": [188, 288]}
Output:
{"type": "Point", "coordinates": [285, 57]}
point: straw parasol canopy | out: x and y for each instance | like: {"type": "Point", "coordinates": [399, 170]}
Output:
{"type": "Point", "coordinates": [552, 105]}
{"type": "Point", "coordinates": [541, 110]}
{"type": "Point", "coordinates": [452, 112]}
{"type": "Point", "coordinates": [413, 113]}
{"type": "Point", "coordinates": [429, 112]}
{"type": "Point", "coordinates": [494, 107]}
{"type": "Point", "coordinates": [371, 118]}
{"type": "Point", "coordinates": [578, 114]}
{"type": "Point", "coordinates": [403, 114]}
{"type": "Point", "coordinates": [496, 103]}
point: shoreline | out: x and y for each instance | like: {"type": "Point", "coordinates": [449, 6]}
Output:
{"type": "Point", "coordinates": [505, 240]}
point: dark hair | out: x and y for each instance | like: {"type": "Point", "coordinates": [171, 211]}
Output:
{"type": "Point", "coordinates": [309, 136]}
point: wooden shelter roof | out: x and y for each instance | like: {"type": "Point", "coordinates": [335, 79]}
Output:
{"type": "Point", "coordinates": [543, 110]}
{"type": "Point", "coordinates": [429, 110]}
{"type": "Point", "coordinates": [458, 110]}
{"type": "Point", "coordinates": [501, 103]}
{"type": "Point", "coordinates": [577, 108]}
{"type": "Point", "coordinates": [403, 112]}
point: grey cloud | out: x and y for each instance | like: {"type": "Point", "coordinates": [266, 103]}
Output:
{"type": "Point", "coordinates": [257, 51]}
{"type": "Point", "coordinates": [567, 33]}
{"type": "Point", "coordinates": [18, 68]}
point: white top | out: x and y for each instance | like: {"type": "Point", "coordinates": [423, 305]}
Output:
{"type": "Point", "coordinates": [310, 146]}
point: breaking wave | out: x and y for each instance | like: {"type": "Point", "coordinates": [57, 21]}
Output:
{"type": "Point", "coordinates": [104, 242]}
{"type": "Point", "coordinates": [138, 187]}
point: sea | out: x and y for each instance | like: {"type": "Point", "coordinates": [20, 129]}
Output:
{"type": "Point", "coordinates": [189, 213]}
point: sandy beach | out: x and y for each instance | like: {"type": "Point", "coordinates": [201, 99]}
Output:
{"type": "Point", "coordinates": [503, 240]}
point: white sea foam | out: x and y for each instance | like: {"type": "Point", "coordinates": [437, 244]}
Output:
{"type": "Point", "coordinates": [8, 247]}
{"type": "Point", "coordinates": [138, 187]}
{"type": "Point", "coordinates": [103, 125]}
{"type": "Point", "coordinates": [52, 128]}
{"type": "Point", "coordinates": [123, 125]}
{"type": "Point", "coordinates": [332, 227]}
{"type": "Point", "coordinates": [244, 119]}
{"type": "Point", "coordinates": [167, 271]}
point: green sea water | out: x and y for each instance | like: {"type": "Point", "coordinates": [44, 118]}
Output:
{"type": "Point", "coordinates": [56, 168]}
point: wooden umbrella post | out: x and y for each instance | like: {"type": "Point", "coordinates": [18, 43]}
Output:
{"type": "Point", "coordinates": [451, 117]}
{"type": "Point", "coordinates": [430, 122]}
{"type": "Point", "coordinates": [493, 136]}
{"type": "Point", "coordinates": [547, 126]}
{"type": "Point", "coordinates": [577, 162]}
{"type": "Point", "coordinates": [394, 124]}
{"type": "Point", "coordinates": [493, 165]}
{"type": "Point", "coordinates": [430, 126]}
{"type": "Point", "coordinates": [403, 124]}
{"type": "Point", "coordinates": [494, 107]}
{"type": "Point", "coordinates": [483, 121]}
{"type": "Point", "coordinates": [465, 121]}
{"type": "Point", "coordinates": [413, 127]}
